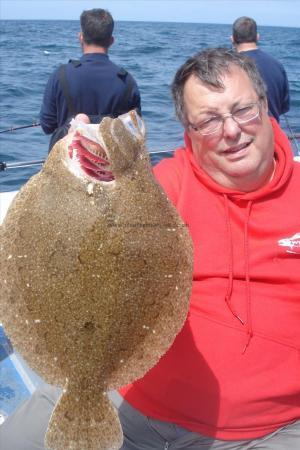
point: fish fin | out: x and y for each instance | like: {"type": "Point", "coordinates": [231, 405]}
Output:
{"type": "Point", "coordinates": [84, 421]}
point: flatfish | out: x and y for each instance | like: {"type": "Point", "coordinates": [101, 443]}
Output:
{"type": "Point", "coordinates": [95, 276]}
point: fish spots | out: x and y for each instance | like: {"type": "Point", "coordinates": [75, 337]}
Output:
{"type": "Point", "coordinates": [70, 417]}
{"type": "Point", "coordinates": [90, 188]}
{"type": "Point", "coordinates": [88, 327]}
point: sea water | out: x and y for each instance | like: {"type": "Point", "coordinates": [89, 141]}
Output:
{"type": "Point", "coordinates": [150, 51]}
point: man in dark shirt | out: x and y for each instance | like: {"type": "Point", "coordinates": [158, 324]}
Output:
{"type": "Point", "coordinates": [244, 38]}
{"type": "Point", "coordinates": [93, 85]}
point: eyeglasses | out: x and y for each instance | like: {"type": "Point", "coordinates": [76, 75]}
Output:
{"type": "Point", "coordinates": [240, 116]}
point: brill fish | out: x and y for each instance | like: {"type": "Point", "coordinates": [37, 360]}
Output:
{"type": "Point", "coordinates": [95, 276]}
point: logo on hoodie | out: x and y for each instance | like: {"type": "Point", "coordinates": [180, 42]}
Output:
{"type": "Point", "coordinates": [292, 244]}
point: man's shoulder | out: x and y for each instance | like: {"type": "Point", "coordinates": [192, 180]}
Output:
{"type": "Point", "coordinates": [169, 173]}
{"type": "Point", "coordinates": [62, 65]}
{"type": "Point", "coordinates": [173, 164]}
{"type": "Point", "coordinates": [74, 62]}
{"type": "Point", "coordinates": [121, 71]}
{"type": "Point", "coordinates": [64, 68]}
{"type": "Point", "coordinates": [106, 63]}
{"type": "Point", "coordinates": [267, 58]}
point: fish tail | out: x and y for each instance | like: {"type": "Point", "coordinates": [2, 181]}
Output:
{"type": "Point", "coordinates": [84, 421]}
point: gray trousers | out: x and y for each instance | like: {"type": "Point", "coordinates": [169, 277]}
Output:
{"type": "Point", "coordinates": [26, 428]}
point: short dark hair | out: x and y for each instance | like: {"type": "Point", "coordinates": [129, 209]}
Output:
{"type": "Point", "coordinates": [209, 66]}
{"type": "Point", "coordinates": [244, 29]}
{"type": "Point", "coordinates": [97, 27]}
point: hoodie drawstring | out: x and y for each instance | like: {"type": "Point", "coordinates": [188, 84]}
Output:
{"type": "Point", "coordinates": [247, 272]}
{"type": "Point", "coordinates": [247, 276]}
{"type": "Point", "coordinates": [230, 263]}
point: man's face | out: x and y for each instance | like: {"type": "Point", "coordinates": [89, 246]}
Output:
{"type": "Point", "coordinates": [236, 156]}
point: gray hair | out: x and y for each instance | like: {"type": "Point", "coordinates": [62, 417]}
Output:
{"type": "Point", "coordinates": [210, 66]}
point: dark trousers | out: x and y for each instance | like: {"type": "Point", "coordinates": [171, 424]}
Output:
{"type": "Point", "coordinates": [26, 429]}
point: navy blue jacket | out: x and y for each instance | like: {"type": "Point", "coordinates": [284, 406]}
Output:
{"type": "Point", "coordinates": [96, 86]}
{"type": "Point", "coordinates": [275, 78]}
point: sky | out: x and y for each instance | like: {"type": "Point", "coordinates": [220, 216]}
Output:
{"type": "Point", "coordinates": [265, 12]}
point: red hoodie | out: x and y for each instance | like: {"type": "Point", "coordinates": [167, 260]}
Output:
{"type": "Point", "coordinates": [233, 371]}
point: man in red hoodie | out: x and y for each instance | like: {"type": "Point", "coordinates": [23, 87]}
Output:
{"type": "Point", "coordinates": [231, 379]}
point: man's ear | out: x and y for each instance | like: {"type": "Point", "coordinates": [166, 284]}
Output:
{"type": "Point", "coordinates": [112, 40]}
{"type": "Point", "coordinates": [257, 37]}
{"type": "Point", "coordinates": [80, 37]}
{"type": "Point", "coordinates": [231, 38]}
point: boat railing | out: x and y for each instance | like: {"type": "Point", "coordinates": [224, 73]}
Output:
{"type": "Point", "coordinates": [16, 165]}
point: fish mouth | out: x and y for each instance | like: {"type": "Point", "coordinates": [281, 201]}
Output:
{"type": "Point", "coordinates": [91, 157]}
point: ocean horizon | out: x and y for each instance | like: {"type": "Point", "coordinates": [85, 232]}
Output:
{"type": "Point", "coordinates": [142, 21]}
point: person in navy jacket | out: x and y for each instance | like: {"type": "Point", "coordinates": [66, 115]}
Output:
{"type": "Point", "coordinates": [93, 85]}
{"type": "Point", "coordinates": [245, 38]}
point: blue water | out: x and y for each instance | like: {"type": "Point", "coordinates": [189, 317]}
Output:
{"type": "Point", "coordinates": [152, 52]}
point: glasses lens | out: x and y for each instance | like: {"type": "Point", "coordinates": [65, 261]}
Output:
{"type": "Point", "coordinates": [210, 126]}
{"type": "Point", "coordinates": [241, 115]}
{"type": "Point", "coordinates": [246, 113]}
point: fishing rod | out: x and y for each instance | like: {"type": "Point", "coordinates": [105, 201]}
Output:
{"type": "Point", "coordinates": [34, 124]}
{"type": "Point", "coordinates": [17, 165]}
{"type": "Point", "coordinates": [294, 136]}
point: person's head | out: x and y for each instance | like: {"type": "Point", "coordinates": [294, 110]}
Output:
{"type": "Point", "coordinates": [220, 99]}
{"type": "Point", "coordinates": [96, 28]}
{"type": "Point", "coordinates": [244, 30]}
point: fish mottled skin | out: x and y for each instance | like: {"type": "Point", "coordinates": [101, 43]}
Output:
{"type": "Point", "coordinates": [95, 280]}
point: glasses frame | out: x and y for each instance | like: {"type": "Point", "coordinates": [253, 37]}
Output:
{"type": "Point", "coordinates": [225, 116]}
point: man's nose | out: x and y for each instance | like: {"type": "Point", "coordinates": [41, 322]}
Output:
{"type": "Point", "coordinates": [231, 128]}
